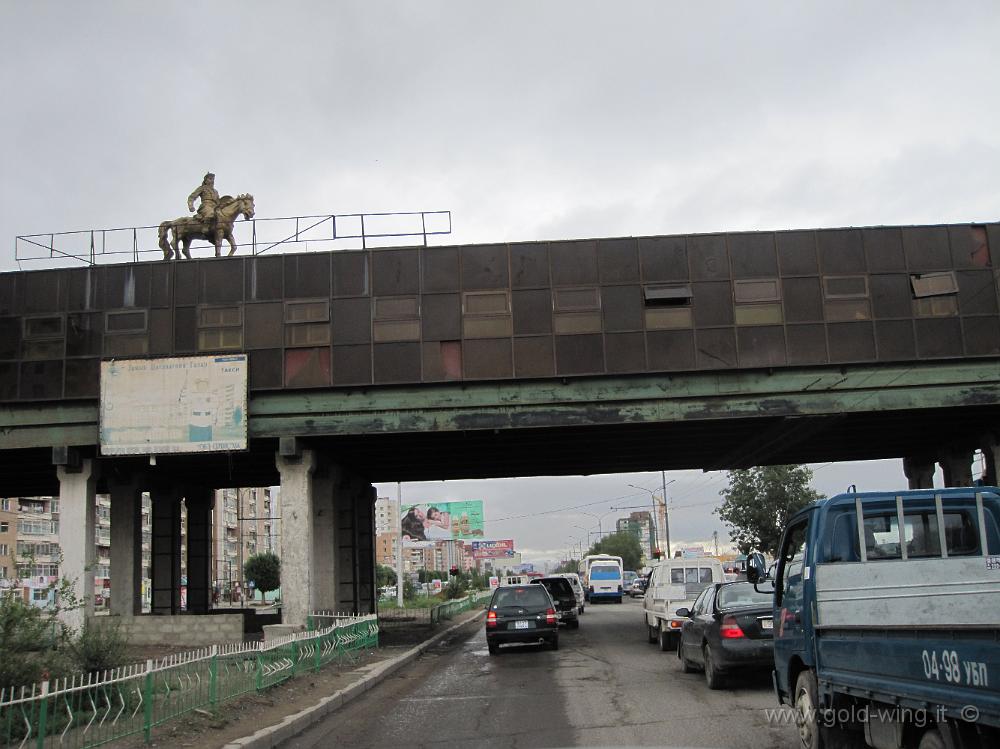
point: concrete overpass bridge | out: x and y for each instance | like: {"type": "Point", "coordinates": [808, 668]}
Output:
{"type": "Point", "coordinates": [548, 358]}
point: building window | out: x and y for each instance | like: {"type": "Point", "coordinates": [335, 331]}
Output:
{"type": "Point", "coordinates": [576, 311]}
{"type": "Point", "coordinates": [307, 323]}
{"type": "Point", "coordinates": [4, 527]}
{"type": "Point", "coordinates": [486, 314]}
{"type": "Point", "coordinates": [935, 294]}
{"type": "Point", "coordinates": [220, 327]}
{"type": "Point", "coordinates": [758, 302]}
{"type": "Point", "coordinates": [845, 298]}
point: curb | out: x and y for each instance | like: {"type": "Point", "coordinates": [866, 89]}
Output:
{"type": "Point", "coordinates": [293, 725]}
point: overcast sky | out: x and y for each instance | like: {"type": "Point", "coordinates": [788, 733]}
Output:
{"type": "Point", "coordinates": [527, 120]}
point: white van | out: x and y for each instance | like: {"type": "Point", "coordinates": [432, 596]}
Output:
{"type": "Point", "coordinates": [574, 580]}
{"type": "Point", "coordinates": [674, 584]}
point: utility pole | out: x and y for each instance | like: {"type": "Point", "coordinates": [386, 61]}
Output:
{"type": "Point", "coordinates": [666, 518]}
{"type": "Point", "coordinates": [399, 544]}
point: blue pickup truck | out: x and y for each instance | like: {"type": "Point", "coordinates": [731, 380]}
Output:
{"type": "Point", "coordinates": [887, 619]}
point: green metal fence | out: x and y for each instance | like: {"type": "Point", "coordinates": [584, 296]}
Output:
{"type": "Point", "coordinates": [90, 710]}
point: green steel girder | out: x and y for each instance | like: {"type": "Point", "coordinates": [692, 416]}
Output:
{"type": "Point", "coordinates": [575, 402]}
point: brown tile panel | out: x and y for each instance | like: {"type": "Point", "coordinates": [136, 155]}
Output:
{"type": "Point", "coordinates": [761, 346]}
{"type": "Point", "coordinates": [351, 274]}
{"type": "Point", "coordinates": [529, 265]}
{"type": "Point", "coordinates": [441, 317]}
{"type": "Point", "coordinates": [670, 350]}
{"type": "Point", "coordinates": [622, 307]}
{"type": "Point", "coordinates": [715, 348]}
{"type": "Point", "coordinates": [352, 320]}
{"type": "Point", "coordinates": [534, 357]}
{"type": "Point", "coordinates": [395, 272]}
{"type": "Point", "coordinates": [484, 267]}
{"type": "Point", "coordinates": [41, 291]}
{"type": "Point", "coordinates": [802, 299]}
{"type": "Point", "coordinates": [185, 330]}
{"type": "Point", "coordinates": [883, 249]}
{"type": "Point", "coordinates": [7, 293]}
{"type": "Point", "coordinates": [626, 352]}
{"type": "Point", "coordinates": [307, 276]}
{"type": "Point", "coordinates": [307, 367]}
{"type": "Point", "coordinates": [263, 325]}
{"type": "Point", "coordinates": [352, 365]}
{"type": "Point", "coordinates": [221, 281]}
{"type": "Point", "coordinates": [939, 337]}
{"type": "Point", "coordinates": [266, 369]}
{"type": "Point", "coordinates": [440, 269]}
{"type": "Point", "coordinates": [981, 335]}
{"type": "Point", "coordinates": [977, 292]}
{"type": "Point", "coordinates": [708, 257]}
{"type": "Point", "coordinates": [806, 344]}
{"type": "Point", "coordinates": [8, 380]}
{"type": "Point", "coordinates": [573, 263]}
{"type": "Point", "coordinates": [891, 295]}
{"type": "Point", "coordinates": [396, 362]}
{"type": "Point", "coordinates": [796, 253]}
{"type": "Point", "coordinates": [926, 248]}
{"type": "Point", "coordinates": [618, 260]}
{"type": "Point", "coordinates": [895, 340]}
{"type": "Point", "coordinates": [41, 380]}
{"type": "Point", "coordinates": [851, 341]}
{"type": "Point", "coordinates": [161, 332]}
{"type": "Point", "coordinates": [10, 337]}
{"type": "Point", "coordinates": [83, 378]}
{"type": "Point", "coordinates": [532, 310]}
{"type": "Point", "coordinates": [263, 277]}
{"type": "Point", "coordinates": [663, 259]}
{"type": "Point", "coordinates": [579, 354]}
{"type": "Point", "coordinates": [712, 303]}
{"type": "Point", "coordinates": [840, 251]}
{"type": "Point", "coordinates": [84, 332]}
{"type": "Point", "coordinates": [186, 282]}
{"type": "Point", "coordinates": [753, 255]}
{"type": "Point", "coordinates": [487, 359]}
{"type": "Point", "coordinates": [84, 291]}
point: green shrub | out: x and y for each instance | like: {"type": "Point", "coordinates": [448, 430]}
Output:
{"type": "Point", "coordinates": [99, 647]}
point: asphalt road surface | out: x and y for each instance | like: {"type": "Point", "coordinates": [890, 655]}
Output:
{"type": "Point", "coordinates": [605, 686]}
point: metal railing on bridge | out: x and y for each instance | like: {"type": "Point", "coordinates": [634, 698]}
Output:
{"type": "Point", "coordinates": [255, 236]}
{"type": "Point", "coordinates": [92, 709]}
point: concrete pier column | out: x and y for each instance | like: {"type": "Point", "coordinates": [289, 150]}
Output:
{"type": "Point", "coordinates": [297, 542]}
{"type": "Point", "coordinates": [77, 525]}
{"type": "Point", "coordinates": [956, 464]}
{"type": "Point", "coordinates": [919, 472]}
{"type": "Point", "coordinates": [200, 503]}
{"type": "Point", "coordinates": [326, 480]}
{"type": "Point", "coordinates": [166, 550]}
{"type": "Point", "coordinates": [355, 504]}
{"type": "Point", "coordinates": [126, 547]}
{"type": "Point", "coordinates": [990, 445]}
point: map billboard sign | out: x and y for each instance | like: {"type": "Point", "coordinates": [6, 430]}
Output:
{"type": "Point", "coordinates": [493, 549]}
{"type": "Point", "coordinates": [185, 404]}
{"type": "Point", "coordinates": [424, 524]}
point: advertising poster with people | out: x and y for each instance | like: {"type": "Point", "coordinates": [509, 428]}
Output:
{"type": "Point", "coordinates": [424, 524]}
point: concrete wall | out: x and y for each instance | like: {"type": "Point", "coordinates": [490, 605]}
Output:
{"type": "Point", "coordinates": [184, 630]}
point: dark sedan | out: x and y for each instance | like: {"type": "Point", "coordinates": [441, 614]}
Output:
{"type": "Point", "coordinates": [730, 628]}
{"type": "Point", "coordinates": [564, 596]}
{"type": "Point", "coordinates": [521, 613]}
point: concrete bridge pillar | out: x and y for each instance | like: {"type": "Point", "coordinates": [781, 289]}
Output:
{"type": "Point", "coordinates": [956, 464]}
{"type": "Point", "coordinates": [126, 547]}
{"type": "Point", "coordinates": [77, 524]}
{"type": "Point", "coordinates": [200, 503]}
{"type": "Point", "coordinates": [166, 551]}
{"type": "Point", "coordinates": [298, 516]}
{"type": "Point", "coordinates": [919, 472]}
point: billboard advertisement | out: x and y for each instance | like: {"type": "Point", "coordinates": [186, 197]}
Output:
{"type": "Point", "coordinates": [423, 524]}
{"type": "Point", "coordinates": [173, 405]}
{"type": "Point", "coordinates": [493, 549]}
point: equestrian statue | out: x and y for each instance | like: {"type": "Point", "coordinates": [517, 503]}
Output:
{"type": "Point", "coordinates": [212, 222]}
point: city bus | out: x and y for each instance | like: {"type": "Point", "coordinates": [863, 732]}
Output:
{"type": "Point", "coordinates": [601, 575]}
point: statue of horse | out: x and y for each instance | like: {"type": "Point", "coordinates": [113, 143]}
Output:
{"type": "Point", "coordinates": [189, 228]}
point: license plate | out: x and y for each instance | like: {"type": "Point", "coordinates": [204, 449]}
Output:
{"type": "Point", "coordinates": [520, 624]}
{"type": "Point", "coordinates": [767, 624]}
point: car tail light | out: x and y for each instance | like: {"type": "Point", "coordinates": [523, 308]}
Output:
{"type": "Point", "coordinates": [491, 619]}
{"type": "Point", "coordinates": [550, 617]}
{"type": "Point", "coordinates": [730, 629]}
{"type": "Point", "coordinates": [674, 624]}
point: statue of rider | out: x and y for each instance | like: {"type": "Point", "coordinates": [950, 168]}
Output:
{"type": "Point", "coordinates": [209, 200]}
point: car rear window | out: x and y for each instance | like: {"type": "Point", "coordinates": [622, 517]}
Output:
{"type": "Point", "coordinates": [529, 595]}
{"type": "Point", "coordinates": [559, 588]}
{"type": "Point", "coordinates": [742, 594]}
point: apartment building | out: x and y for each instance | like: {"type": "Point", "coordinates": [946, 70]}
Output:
{"type": "Point", "coordinates": [8, 541]}
{"type": "Point", "coordinates": [245, 522]}
{"type": "Point", "coordinates": [386, 516]}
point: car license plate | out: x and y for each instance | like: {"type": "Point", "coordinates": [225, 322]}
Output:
{"type": "Point", "coordinates": [521, 624]}
{"type": "Point", "coordinates": [767, 624]}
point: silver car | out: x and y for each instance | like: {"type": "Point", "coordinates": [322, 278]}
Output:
{"type": "Point", "coordinates": [574, 580]}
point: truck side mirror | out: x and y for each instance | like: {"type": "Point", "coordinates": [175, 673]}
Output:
{"type": "Point", "coordinates": [684, 612]}
{"type": "Point", "coordinates": [756, 568]}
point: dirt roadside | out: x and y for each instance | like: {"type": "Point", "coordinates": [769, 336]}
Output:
{"type": "Point", "coordinates": [213, 729]}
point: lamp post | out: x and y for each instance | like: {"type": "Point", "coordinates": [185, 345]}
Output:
{"type": "Point", "coordinates": [666, 520]}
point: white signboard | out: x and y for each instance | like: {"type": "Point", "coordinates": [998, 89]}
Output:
{"type": "Point", "coordinates": [174, 405]}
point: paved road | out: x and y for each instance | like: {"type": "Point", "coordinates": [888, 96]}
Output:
{"type": "Point", "coordinates": [606, 686]}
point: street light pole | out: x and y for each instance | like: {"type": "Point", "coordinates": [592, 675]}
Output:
{"type": "Point", "coordinates": [666, 516]}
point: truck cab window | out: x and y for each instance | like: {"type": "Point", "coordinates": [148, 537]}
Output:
{"type": "Point", "coordinates": [882, 535]}
{"type": "Point", "coordinates": [791, 563]}
{"type": "Point", "coordinates": [961, 533]}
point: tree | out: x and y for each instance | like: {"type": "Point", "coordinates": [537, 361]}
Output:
{"type": "Point", "coordinates": [621, 544]}
{"type": "Point", "coordinates": [384, 575]}
{"type": "Point", "coordinates": [264, 570]}
{"type": "Point", "coordinates": [570, 565]}
{"type": "Point", "coordinates": [759, 501]}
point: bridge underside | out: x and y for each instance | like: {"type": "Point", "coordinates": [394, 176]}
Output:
{"type": "Point", "coordinates": [706, 421]}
